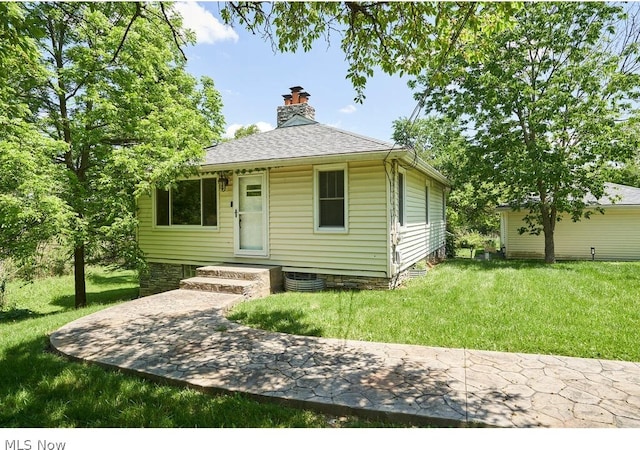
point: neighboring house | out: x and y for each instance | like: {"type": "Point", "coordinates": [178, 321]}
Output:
{"type": "Point", "coordinates": [353, 210]}
{"type": "Point", "coordinates": [614, 235]}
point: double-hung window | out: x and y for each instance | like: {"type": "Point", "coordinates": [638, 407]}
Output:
{"type": "Point", "coordinates": [331, 198]}
{"type": "Point", "coordinates": [189, 202]}
{"type": "Point", "coordinates": [444, 206]}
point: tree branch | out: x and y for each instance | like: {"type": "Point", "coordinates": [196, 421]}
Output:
{"type": "Point", "coordinates": [173, 31]}
{"type": "Point", "coordinates": [137, 14]}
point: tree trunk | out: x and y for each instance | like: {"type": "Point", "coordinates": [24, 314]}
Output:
{"type": "Point", "coordinates": [80, 284]}
{"type": "Point", "coordinates": [549, 215]}
{"type": "Point", "coordinates": [549, 247]}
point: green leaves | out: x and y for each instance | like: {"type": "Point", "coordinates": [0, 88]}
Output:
{"type": "Point", "coordinates": [101, 108]}
{"type": "Point", "coordinates": [440, 141]}
{"type": "Point", "coordinates": [246, 131]}
{"type": "Point", "coordinates": [398, 37]}
{"type": "Point", "coordinates": [548, 103]}
{"type": "Point", "coordinates": [30, 209]}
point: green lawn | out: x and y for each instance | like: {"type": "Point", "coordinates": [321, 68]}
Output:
{"type": "Point", "coordinates": [583, 309]}
{"type": "Point", "coordinates": [40, 389]}
{"type": "Point", "coordinates": [579, 309]}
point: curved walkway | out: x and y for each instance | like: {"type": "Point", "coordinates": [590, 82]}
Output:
{"type": "Point", "coordinates": [182, 336]}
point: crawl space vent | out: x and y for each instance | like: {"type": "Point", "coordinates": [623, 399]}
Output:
{"type": "Point", "coordinates": [303, 282]}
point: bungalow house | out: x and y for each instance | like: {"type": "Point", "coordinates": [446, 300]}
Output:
{"type": "Point", "coordinates": [614, 235]}
{"type": "Point", "coordinates": [315, 200]}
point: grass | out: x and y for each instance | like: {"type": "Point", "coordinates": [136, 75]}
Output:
{"type": "Point", "coordinates": [581, 309]}
{"type": "Point", "coordinates": [40, 389]}
{"type": "Point", "coordinates": [577, 309]}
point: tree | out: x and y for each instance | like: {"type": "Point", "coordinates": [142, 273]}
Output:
{"type": "Point", "coordinates": [440, 142]}
{"type": "Point", "coordinates": [31, 213]}
{"type": "Point", "coordinates": [246, 131]}
{"type": "Point", "coordinates": [551, 106]}
{"type": "Point", "coordinates": [124, 114]}
{"type": "Point", "coordinates": [399, 37]}
{"type": "Point", "coordinates": [627, 173]}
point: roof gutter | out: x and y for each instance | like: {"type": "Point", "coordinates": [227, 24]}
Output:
{"type": "Point", "coordinates": [403, 154]}
{"type": "Point", "coordinates": [507, 208]}
{"type": "Point", "coordinates": [426, 168]}
{"type": "Point", "coordinates": [303, 160]}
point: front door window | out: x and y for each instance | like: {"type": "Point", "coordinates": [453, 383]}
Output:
{"type": "Point", "coordinates": [250, 215]}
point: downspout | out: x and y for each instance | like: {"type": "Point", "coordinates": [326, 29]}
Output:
{"type": "Point", "coordinates": [394, 234]}
{"type": "Point", "coordinates": [390, 170]}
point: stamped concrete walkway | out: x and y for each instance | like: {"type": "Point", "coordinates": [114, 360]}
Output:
{"type": "Point", "coordinates": [183, 336]}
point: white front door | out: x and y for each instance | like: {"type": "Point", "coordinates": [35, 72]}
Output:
{"type": "Point", "coordinates": [250, 200]}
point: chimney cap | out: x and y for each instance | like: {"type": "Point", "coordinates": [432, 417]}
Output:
{"type": "Point", "coordinates": [286, 96]}
{"type": "Point", "coordinates": [296, 88]}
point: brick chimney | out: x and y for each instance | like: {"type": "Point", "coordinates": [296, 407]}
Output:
{"type": "Point", "coordinates": [295, 103]}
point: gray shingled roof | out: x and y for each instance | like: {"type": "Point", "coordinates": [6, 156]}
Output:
{"type": "Point", "coordinates": [622, 195]}
{"type": "Point", "coordinates": [614, 194]}
{"type": "Point", "coordinates": [303, 138]}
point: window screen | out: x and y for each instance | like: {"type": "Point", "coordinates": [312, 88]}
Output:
{"type": "Point", "coordinates": [331, 198]}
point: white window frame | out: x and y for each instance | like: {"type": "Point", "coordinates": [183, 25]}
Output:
{"type": "Point", "coordinates": [264, 252]}
{"type": "Point", "coordinates": [444, 205]}
{"type": "Point", "coordinates": [200, 227]}
{"type": "Point", "coordinates": [316, 198]}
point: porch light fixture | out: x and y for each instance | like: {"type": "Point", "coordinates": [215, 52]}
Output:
{"type": "Point", "coordinates": [593, 253]}
{"type": "Point", "coordinates": [223, 182]}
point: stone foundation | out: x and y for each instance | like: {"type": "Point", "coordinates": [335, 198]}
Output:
{"type": "Point", "coordinates": [363, 283]}
{"type": "Point", "coordinates": [377, 283]}
{"type": "Point", "coordinates": [438, 255]}
{"type": "Point", "coordinates": [161, 277]}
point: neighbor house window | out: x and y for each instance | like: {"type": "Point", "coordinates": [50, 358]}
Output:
{"type": "Point", "coordinates": [401, 197]}
{"type": "Point", "coordinates": [190, 202]}
{"type": "Point", "coordinates": [444, 206]}
{"type": "Point", "coordinates": [331, 198]}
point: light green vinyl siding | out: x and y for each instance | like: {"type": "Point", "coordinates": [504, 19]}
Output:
{"type": "Point", "coordinates": [418, 238]}
{"type": "Point", "coordinates": [186, 245]}
{"type": "Point", "coordinates": [614, 235]}
{"type": "Point", "coordinates": [292, 239]}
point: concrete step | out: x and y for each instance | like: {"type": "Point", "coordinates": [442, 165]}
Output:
{"type": "Point", "coordinates": [225, 285]}
{"type": "Point", "coordinates": [235, 272]}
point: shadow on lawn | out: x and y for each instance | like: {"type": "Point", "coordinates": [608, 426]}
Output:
{"type": "Point", "coordinates": [67, 302]}
{"type": "Point", "coordinates": [41, 389]}
{"type": "Point", "coordinates": [283, 321]}
{"type": "Point", "coordinates": [109, 278]}
{"type": "Point", "coordinates": [98, 298]}
{"type": "Point", "coordinates": [307, 370]}
{"type": "Point", "coordinates": [18, 314]}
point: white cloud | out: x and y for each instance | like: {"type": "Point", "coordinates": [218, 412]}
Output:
{"type": "Point", "coordinates": [208, 29]}
{"type": "Point", "coordinates": [349, 109]}
{"type": "Point", "coordinates": [264, 126]}
{"type": "Point", "coordinates": [231, 129]}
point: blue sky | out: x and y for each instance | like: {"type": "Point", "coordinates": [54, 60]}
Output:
{"type": "Point", "coordinates": [252, 78]}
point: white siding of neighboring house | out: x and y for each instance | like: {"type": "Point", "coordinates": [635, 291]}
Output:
{"type": "Point", "coordinates": [614, 235]}
{"type": "Point", "coordinates": [293, 243]}
{"type": "Point", "coordinates": [418, 239]}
